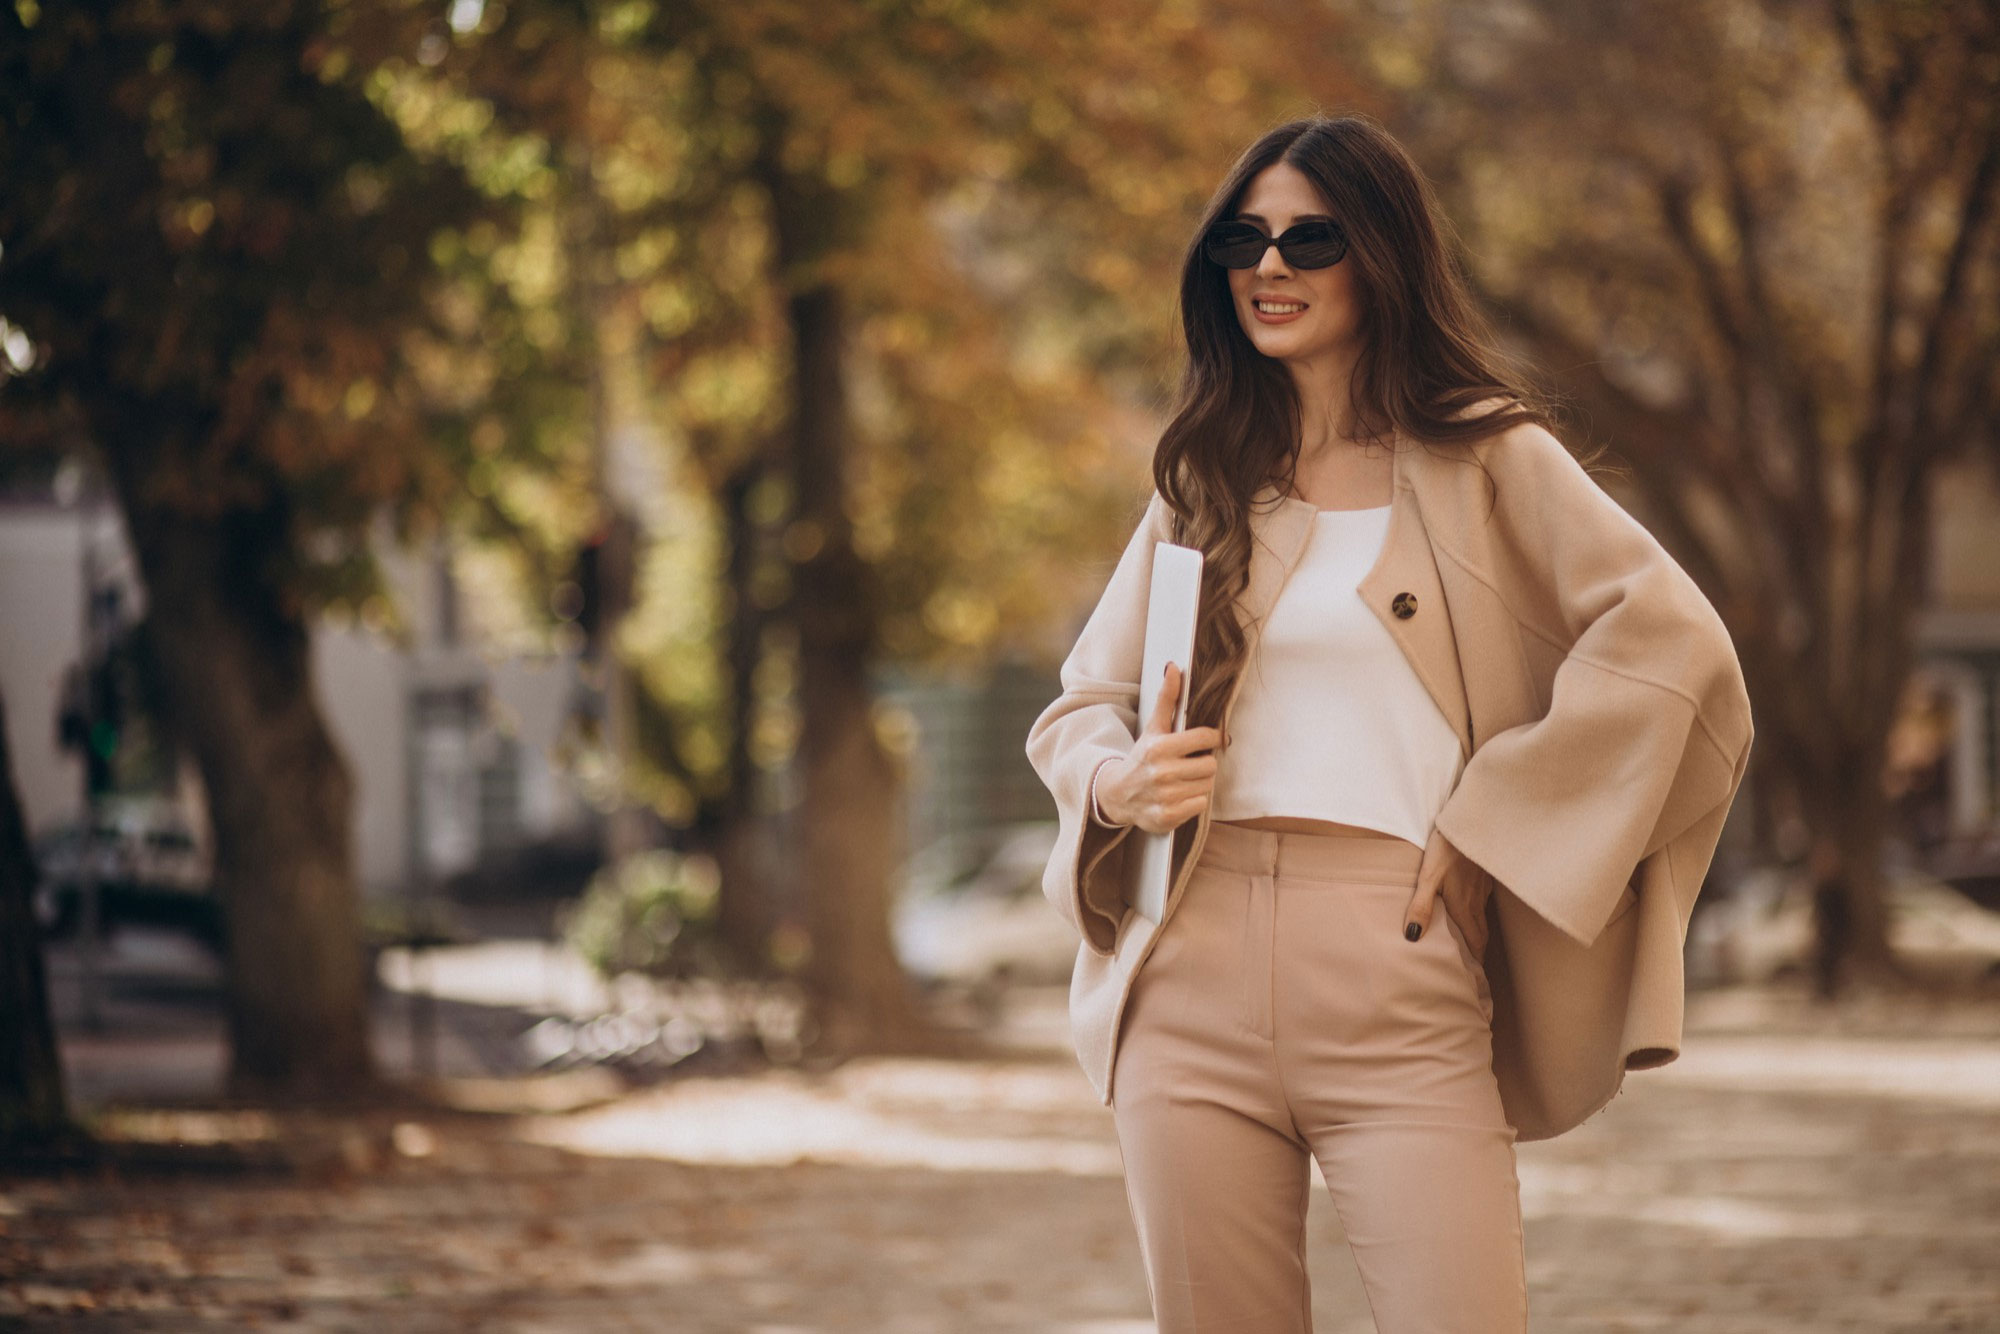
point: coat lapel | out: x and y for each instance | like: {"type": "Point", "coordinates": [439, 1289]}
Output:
{"type": "Point", "coordinates": [1405, 572]}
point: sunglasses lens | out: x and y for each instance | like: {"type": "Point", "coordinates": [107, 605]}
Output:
{"type": "Point", "coordinates": [1313, 245]}
{"type": "Point", "coordinates": [1235, 245]}
{"type": "Point", "coordinates": [1309, 245]}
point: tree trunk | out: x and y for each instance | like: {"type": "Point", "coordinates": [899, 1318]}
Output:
{"type": "Point", "coordinates": [236, 658]}
{"type": "Point", "coordinates": [852, 830]}
{"type": "Point", "coordinates": [1825, 681]}
{"type": "Point", "coordinates": [32, 1106]}
{"type": "Point", "coordinates": [1849, 895]}
{"type": "Point", "coordinates": [746, 913]}
{"type": "Point", "coordinates": [1861, 687]}
{"type": "Point", "coordinates": [627, 830]}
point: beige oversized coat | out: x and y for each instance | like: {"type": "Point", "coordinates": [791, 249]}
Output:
{"type": "Point", "coordinates": [1602, 713]}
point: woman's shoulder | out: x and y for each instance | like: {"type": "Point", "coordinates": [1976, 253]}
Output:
{"type": "Point", "coordinates": [1521, 449]}
{"type": "Point", "coordinates": [1523, 485]}
{"type": "Point", "coordinates": [1530, 428]}
{"type": "Point", "coordinates": [1526, 448]}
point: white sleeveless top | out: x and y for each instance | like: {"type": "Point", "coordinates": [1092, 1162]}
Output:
{"type": "Point", "coordinates": [1332, 722]}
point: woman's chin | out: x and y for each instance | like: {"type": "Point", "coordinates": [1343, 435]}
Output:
{"type": "Point", "coordinates": [1293, 345]}
{"type": "Point", "coordinates": [1284, 346]}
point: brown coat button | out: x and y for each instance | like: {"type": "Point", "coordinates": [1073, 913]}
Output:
{"type": "Point", "coordinates": [1404, 605]}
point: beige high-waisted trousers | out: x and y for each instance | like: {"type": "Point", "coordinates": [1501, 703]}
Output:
{"type": "Point", "coordinates": [1282, 1012]}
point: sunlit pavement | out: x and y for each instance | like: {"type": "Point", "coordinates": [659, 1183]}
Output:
{"type": "Point", "coordinates": [1793, 1171]}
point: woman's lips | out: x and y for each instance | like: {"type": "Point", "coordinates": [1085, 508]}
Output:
{"type": "Point", "coordinates": [1285, 317]}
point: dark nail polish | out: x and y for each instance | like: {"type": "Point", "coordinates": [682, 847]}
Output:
{"type": "Point", "coordinates": [1413, 930]}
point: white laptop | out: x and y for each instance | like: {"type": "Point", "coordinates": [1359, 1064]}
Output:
{"type": "Point", "coordinates": [1170, 621]}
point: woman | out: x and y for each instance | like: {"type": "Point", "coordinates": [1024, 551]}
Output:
{"type": "Point", "coordinates": [1420, 675]}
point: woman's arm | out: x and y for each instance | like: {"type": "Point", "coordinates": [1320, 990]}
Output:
{"type": "Point", "coordinates": [1648, 727]}
{"type": "Point", "coordinates": [1095, 719]}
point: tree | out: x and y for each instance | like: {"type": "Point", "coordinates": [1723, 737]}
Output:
{"type": "Point", "coordinates": [32, 1107]}
{"type": "Point", "coordinates": [921, 401]}
{"type": "Point", "coordinates": [1760, 246]}
{"type": "Point", "coordinates": [809, 224]}
{"type": "Point", "coordinates": [221, 252]}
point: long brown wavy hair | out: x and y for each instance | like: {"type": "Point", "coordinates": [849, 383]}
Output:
{"type": "Point", "coordinates": [1427, 356]}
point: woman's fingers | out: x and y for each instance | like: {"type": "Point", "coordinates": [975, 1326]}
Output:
{"type": "Point", "coordinates": [1165, 704]}
{"type": "Point", "coordinates": [1184, 770]}
{"type": "Point", "coordinates": [1449, 875]}
{"type": "Point", "coordinates": [1171, 814]}
{"type": "Point", "coordinates": [1465, 900]}
{"type": "Point", "coordinates": [1174, 768]}
{"type": "Point", "coordinates": [1171, 795]}
{"type": "Point", "coordinates": [1417, 916]}
{"type": "Point", "coordinates": [1187, 741]}
{"type": "Point", "coordinates": [1475, 915]}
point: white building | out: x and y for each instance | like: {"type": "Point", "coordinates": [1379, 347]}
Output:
{"type": "Point", "coordinates": [453, 750]}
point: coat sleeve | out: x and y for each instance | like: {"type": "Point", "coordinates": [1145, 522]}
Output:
{"type": "Point", "coordinates": [1094, 719]}
{"type": "Point", "coordinates": [1647, 730]}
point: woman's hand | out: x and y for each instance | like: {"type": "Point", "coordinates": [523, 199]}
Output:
{"type": "Point", "coordinates": [1163, 781]}
{"type": "Point", "coordinates": [1448, 874]}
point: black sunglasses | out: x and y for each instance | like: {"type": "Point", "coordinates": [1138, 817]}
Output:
{"type": "Point", "coordinates": [1317, 244]}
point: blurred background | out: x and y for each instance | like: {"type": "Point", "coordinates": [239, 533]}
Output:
{"type": "Point", "coordinates": [532, 534]}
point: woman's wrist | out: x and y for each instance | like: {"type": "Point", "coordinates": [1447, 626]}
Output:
{"type": "Point", "coordinates": [1097, 811]}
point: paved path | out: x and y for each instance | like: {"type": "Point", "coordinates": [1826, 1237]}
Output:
{"type": "Point", "coordinates": [1795, 1172]}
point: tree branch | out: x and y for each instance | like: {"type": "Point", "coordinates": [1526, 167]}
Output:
{"type": "Point", "coordinates": [1949, 311]}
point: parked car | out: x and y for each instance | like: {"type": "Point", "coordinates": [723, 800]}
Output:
{"type": "Point", "coordinates": [1970, 863]}
{"type": "Point", "coordinates": [1764, 929]}
{"type": "Point", "coordinates": [148, 865]}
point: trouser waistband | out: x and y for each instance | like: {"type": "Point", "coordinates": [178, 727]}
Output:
{"type": "Point", "coordinates": [1318, 856]}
